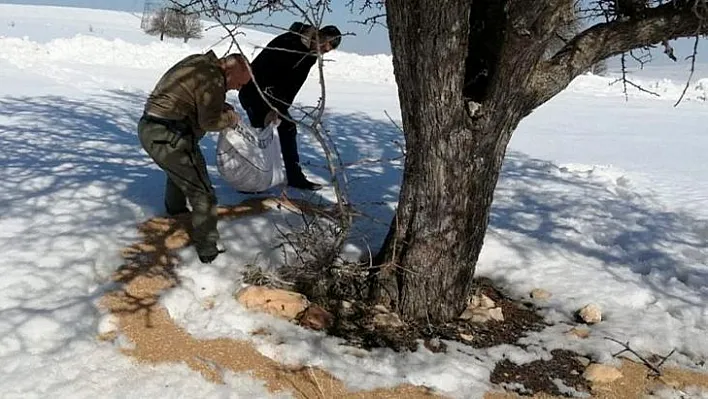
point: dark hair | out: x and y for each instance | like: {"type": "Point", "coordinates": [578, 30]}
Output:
{"type": "Point", "coordinates": [332, 35]}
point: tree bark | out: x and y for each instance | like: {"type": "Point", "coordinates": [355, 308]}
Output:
{"type": "Point", "coordinates": [467, 73]}
{"type": "Point", "coordinates": [457, 127]}
{"type": "Point", "coordinates": [428, 258]}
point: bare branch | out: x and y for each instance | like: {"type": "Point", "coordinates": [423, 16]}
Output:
{"type": "Point", "coordinates": [372, 21]}
{"type": "Point", "coordinates": [625, 81]}
{"type": "Point", "coordinates": [668, 50]}
{"type": "Point", "coordinates": [693, 69]}
{"type": "Point", "coordinates": [668, 21]}
{"type": "Point", "coordinates": [624, 76]}
{"type": "Point", "coordinates": [627, 348]}
{"type": "Point", "coordinates": [642, 59]}
{"type": "Point", "coordinates": [665, 358]}
{"type": "Point", "coordinates": [400, 129]}
{"type": "Point", "coordinates": [368, 6]}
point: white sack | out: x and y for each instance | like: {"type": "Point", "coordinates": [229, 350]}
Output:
{"type": "Point", "coordinates": [249, 158]}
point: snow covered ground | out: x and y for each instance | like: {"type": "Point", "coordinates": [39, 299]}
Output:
{"type": "Point", "coordinates": [601, 200]}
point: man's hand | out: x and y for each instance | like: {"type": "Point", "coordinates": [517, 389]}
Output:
{"type": "Point", "coordinates": [234, 117]}
{"type": "Point", "coordinates": [272, 117]}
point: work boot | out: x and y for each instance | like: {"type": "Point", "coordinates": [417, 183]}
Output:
{"type": "Point", "coordinates": [305, 185]}
{"type": "Point", "coordinates": [208, 258]}
{"type": "Point", "coordinates": [208, 253]}
{"type": "Point", "coordinates": [301, 182]}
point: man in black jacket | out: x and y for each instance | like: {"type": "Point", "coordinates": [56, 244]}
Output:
{"type": "Point", "coordinates": [280, 70]}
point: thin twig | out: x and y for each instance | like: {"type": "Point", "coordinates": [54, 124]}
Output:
{"type": "Point", "coordinates": [626, 82]}
{"type": "Point", "coordinates": [400, 129]}
{"type": "Point", "coordinates": [647, 363]}
{"type": "Point", "coordinates": [665, 358]}
{"type": "Point", "coordinates": [693, 69]}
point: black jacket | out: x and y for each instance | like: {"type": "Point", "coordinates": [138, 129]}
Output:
{"type": "Point", "coordinates": [280, 70]}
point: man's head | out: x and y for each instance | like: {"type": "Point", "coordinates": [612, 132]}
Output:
{"type": "Point", "coordinates": [235, 68]}
{"type": "Point", "coordinates": [329, 39]}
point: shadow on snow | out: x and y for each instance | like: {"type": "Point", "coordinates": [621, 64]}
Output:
{"type": "Point", "coordinates": [56, 149]}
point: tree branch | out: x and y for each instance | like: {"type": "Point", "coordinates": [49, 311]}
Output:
{"type": "Point", "coordinates": [693, 69]}
{"type": "Point", "coordinates": [654, 368]}
{"type": "Point", "coordinates": [669, 21]}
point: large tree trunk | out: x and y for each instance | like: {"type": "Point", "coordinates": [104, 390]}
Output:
{"type": "Point", "coordinates": [454, 149]}
{"type": "Point", "coordinates": [467, 72]}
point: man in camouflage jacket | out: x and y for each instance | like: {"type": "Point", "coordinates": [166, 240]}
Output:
{"type": "Point", "coordinates": [188, 101]}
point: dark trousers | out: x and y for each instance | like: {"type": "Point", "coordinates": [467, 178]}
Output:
{"type": "Point", "coordinates": [287, 131]}
{"type": "Point", "coordinates": [186, 178]}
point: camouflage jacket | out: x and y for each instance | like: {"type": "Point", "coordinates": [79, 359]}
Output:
{"type": "Point", "coordinates": [193, 91]}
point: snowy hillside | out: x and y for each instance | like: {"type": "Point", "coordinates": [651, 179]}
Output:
{"type": "Point", "coordinates": [601, 200]}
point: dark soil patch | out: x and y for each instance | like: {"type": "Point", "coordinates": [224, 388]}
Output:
{"type": "Point", "coordinates": [355, 325]}
{"type": "Point", "coordinates": [354, 322]}
{"type": "Point", "coordinates": [543, 375]}
{"type": "Point", "coordinates": [519, 318]}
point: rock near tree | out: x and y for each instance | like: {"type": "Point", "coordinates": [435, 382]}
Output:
{"type": "Point", "coordinates": [590, 314]}
{"type": "Point", "coordinates": [280, 303]}
{"type": "Point", "coordinates": [602, 373]}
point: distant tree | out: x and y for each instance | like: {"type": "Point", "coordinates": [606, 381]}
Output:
{"type": "Point", "coordinates": [175, 22]}
{"type": "Point", "coordinates": [162, 23]}
{"type": "Point", "coordinates": [187, 25]}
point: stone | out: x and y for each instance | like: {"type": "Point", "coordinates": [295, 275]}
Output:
{"type": "Point", "coordinates": [316, 318]}
{"type": "Point", "coordinates": [475, 315]}
{"type": "Point", "coordinates": [540, 293]}
{"type": "Point", "coordinates": [497, 314]}
{"type": "Point", "coordinates": [481, 301]}
{"type": "Point", "coordinates": [481, 309]}
{"type": "Point", "coordinates": [280, 303]}
{"type": "Point", "coordinates": [601, 373]}
{"type": "Point", "coordinates": [590, 314]}
{"type": "Point", "coordinates": [481, 315]}
{"type": "Point", "coordinates": [579, 332]}
{"type": "Point", "coordinates": [388, 320]}
{"type": "Point", "coordinates": [467, 337]}
{"type": "Point", "coordinates": [583, 360]}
